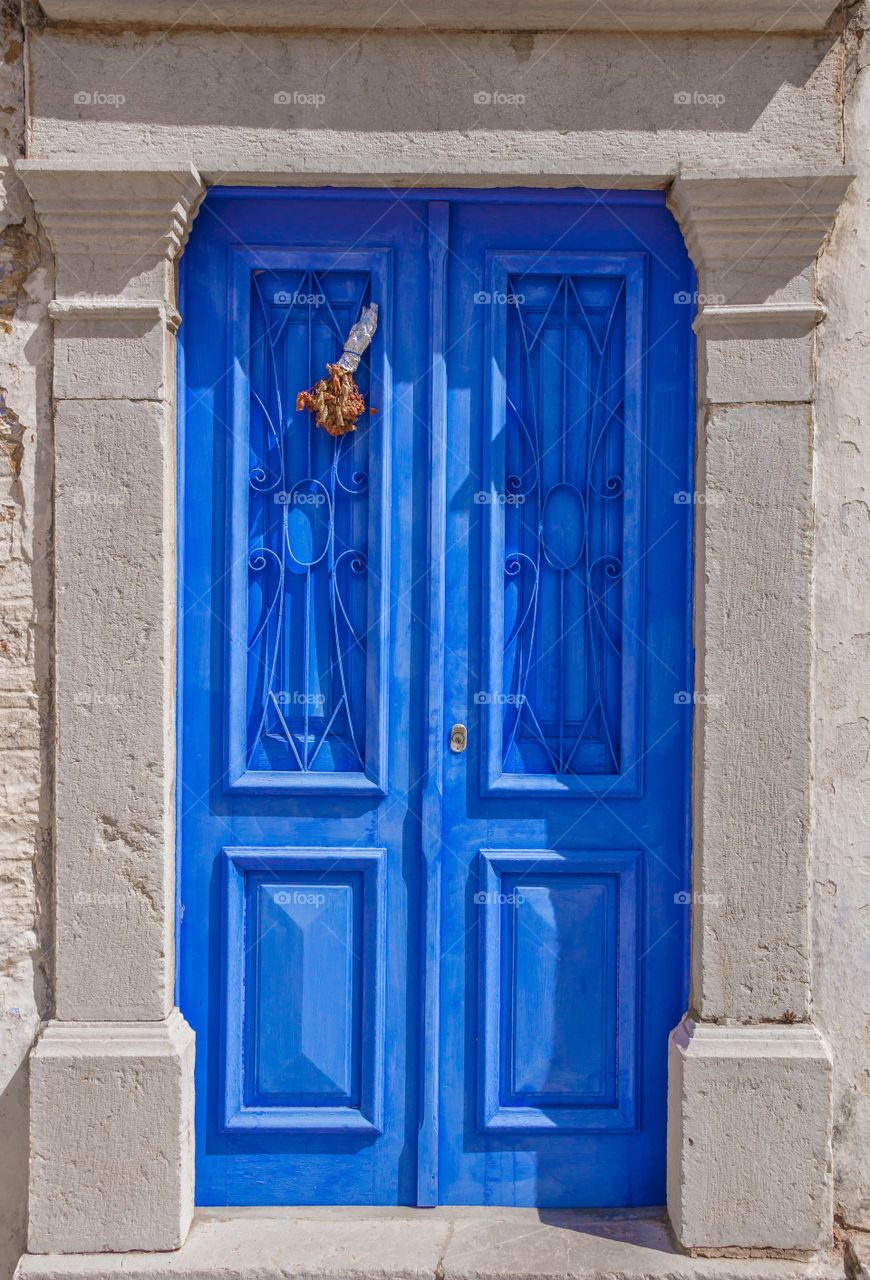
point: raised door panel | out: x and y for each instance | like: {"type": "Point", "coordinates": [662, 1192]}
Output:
{"type": "Point", "coordinates": [558, 991]}
{"type": "Point", "coordinates": [303, 990]}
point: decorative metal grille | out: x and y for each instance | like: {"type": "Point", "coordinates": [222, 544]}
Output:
{"type": "Point", "coordinates": [563, 524]}
{"type": "Point", "coordinates": [307, 533]}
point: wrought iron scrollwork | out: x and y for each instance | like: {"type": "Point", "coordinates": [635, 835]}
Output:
{"type": "Point", "coordinates": [562, 505]}
{"type": "Point", "coordinates": [307, 527]}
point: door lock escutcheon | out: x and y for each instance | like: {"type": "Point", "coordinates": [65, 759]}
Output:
{"type": "Point", "coordinates": [458, 738]}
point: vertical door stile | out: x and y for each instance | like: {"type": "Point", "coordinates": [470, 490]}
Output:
{"type": "Point", "coordinates": [428, 1135]}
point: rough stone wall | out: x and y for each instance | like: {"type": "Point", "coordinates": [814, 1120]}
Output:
{"type": "Point", "coordinates": [25, 516]}
{"type": "Point", "coordinates": [841, 872]}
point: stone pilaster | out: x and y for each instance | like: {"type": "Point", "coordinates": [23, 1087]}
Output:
{"type": "Point", "coordinates": [750, 1076]}
{"type": "Point", "coordinates": [115, 1069]}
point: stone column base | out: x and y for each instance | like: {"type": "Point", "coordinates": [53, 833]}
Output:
{"type": "Point", "coordinates": [111, 1131]}
{"type": "Point", "coordinates": [749, 1137]}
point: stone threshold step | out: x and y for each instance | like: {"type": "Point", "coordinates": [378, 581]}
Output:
{"type": "Point", "coordinates": [424, 1244]}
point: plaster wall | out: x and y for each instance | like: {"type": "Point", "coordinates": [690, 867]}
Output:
{"type": "Point", "coordinates": [841, 843]}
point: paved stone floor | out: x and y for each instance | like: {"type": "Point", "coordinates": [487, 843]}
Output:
{"type": "Point", "coordinates": [444, 1244]}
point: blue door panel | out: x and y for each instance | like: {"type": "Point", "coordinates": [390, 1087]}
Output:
{"type": "Point", "coordinates": [419, 975]}
{"type": "Point", "coordinates": [298, 773]}
{"type": "Point", "coordinates": [568, 569]}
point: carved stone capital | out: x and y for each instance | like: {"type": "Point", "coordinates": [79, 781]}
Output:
{"type": "Point", "coordinates": [115, 228]}
{"type": "Point", "coordinates": [101, 208]}
{"type": "Point", "coordinates": [754, 237]}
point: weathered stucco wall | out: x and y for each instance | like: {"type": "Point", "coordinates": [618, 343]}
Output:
{"type": "Point", "coordinates": [841, 873]}
{"type": "Point", "coordinates": [25, 521]}
{"type": "Point", "coordinates": [614, 105]}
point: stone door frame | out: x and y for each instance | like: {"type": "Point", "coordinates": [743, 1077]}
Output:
{"type": "Point", "coordinates": [112, 1095]}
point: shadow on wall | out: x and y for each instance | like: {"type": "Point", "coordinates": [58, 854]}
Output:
{"type": "Point", "coordinates": [15, 1128]}
{"type": "Point", "coordinates": [400, 81]}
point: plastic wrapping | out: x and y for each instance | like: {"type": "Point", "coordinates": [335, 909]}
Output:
{"type": "Point", "coordinates": [358, 339]}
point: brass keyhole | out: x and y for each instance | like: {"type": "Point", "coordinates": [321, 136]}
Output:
{"type": "Point", "coordinates": [458, 738]}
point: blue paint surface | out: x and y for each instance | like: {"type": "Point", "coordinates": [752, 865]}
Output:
{"type": "Point", "coordinates": [419, 976]}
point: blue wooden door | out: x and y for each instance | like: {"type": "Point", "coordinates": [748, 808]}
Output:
{"type": "Point", "coordinates": [433, 778]}
{"type": "Point", "coordinates": [564, 823]}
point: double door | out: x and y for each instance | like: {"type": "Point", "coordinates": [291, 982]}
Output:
{"type": "Point", "coordinates": [433, 709]}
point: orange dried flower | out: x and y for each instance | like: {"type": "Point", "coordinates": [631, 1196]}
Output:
{"type": "Point", "coordinates": [336, 401]}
